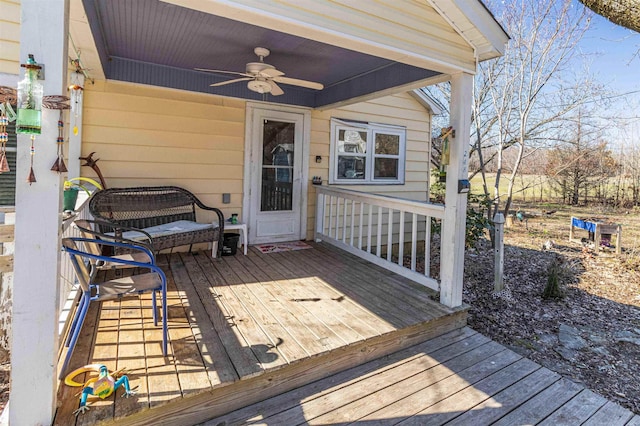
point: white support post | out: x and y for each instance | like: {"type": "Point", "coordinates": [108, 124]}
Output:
{"type": "Point", "coordinates": [498, 268]}
{"type": "Point", "coordinates": [44, 29]}
{"type": "Point", "coordinates": [454, 222]}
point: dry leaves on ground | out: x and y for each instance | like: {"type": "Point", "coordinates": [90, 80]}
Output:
{"type": "Point", "coordinates": [591, 336]}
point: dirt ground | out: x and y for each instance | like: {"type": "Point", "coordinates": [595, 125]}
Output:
{"type": "Point", "coordinates": [592, 334]}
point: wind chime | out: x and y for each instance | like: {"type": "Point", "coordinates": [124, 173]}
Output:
{"type": "Point", "coordinates": [7, 115]}
{"type": "Point", "coordinates": [75, 91]}
{"type": "Point", "coordinates": [30, 93]}
{"type": "Point", "coordinates": [59, 103]}
{"type": "Point", "coordinates": [29, 117]}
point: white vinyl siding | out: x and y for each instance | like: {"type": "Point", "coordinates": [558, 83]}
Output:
{"type": "Point", "coordinates": [10, 36]}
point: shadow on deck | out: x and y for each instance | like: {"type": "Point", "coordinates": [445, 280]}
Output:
{"type": "Point", "coordinates": [246, 328]}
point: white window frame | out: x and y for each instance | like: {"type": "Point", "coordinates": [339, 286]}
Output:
{"type": "Point", "coordinates": [372, 129]}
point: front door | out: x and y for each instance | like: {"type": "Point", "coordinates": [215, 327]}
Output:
{"type": "Point", "coordinates": [276, 176]}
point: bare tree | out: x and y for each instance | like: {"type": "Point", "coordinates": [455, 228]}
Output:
{"type": "Point", "coordinates": [581, 163]}
{"type": "Point", "coordinates": [533, 88]}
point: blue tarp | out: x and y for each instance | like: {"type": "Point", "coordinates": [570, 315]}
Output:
{"type": "Point", "coordinates": [583, 224]}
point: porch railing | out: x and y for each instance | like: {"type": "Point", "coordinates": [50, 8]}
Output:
{"type": "Point", "coordinates": [391, 232]}
{"type": "Point", "coordinates": [67, 283]}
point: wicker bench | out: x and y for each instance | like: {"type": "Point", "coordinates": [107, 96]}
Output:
{"type": "Point", "coordinates": [166, 215]}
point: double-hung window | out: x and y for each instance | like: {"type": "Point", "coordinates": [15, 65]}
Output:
{"type": "Point", "coordinates": [366, 153]}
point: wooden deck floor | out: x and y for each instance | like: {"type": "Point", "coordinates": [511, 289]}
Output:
{"type": "Point", "coordinates": [244, 328]}
{"type": "Point", "coordinates": [461, 378]}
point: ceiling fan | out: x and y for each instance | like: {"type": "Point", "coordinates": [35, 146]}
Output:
{"type": "Point", "coordinates": [262, 77]}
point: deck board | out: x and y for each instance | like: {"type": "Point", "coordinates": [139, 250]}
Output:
{"type": "Point", "coordinates": [219, 367]}
{"type": "Point", "coordinates": [635, 421]}
{"type": "Point", "coordinates": [610, 414]}
{"type": "Point", "coordinates": [542, 405]}
{"type": "Point", "coordinates": [576, 411]}
{"type": "Point", "coordinates": [272, 292]}
{"type": "Point", "coordinates": [463, 401]}
{"type": "Point", "coordinates": [347, 318]}
{"type": "Point", "coordinates": [238, 349]}
{"type": "Point", "coordinates": [190, 364]}
{"type": "Point", "coordinates": [506, 400]}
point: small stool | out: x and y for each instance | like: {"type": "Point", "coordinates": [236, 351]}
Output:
{"type": "Point", "coordinates": [242, 227]}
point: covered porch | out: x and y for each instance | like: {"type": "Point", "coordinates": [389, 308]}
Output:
{"type": "Point", "coordinates": [245, 328]}
{"type": "Point", "coordinates": [357, 53]}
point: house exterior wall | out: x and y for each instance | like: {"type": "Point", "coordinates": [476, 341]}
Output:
{"type": "Point", "coordinates": [147, 136]}
{"type": "Point", "coordinates": [9, 36]}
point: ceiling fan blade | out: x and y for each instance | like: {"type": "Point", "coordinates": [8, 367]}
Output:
{"type": "Point", "coordinates": [271, 72]}
{"type": "Point", "coordinates": [275, 89]}
{"type": "Point", "coordinates": [297, 82]}
{"type": "Point", "coordinates": [235, 80]}
{"type": "Point", "coordinates": [223, 72]}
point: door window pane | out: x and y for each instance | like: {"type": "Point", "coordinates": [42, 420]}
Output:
{"type": "Point", "coordinates": [277, 165]}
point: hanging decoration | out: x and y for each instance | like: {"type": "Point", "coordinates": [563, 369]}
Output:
{"type": "Point", "coordinates": [30, 93]}
{"type": "Point", "coordinates": [445, 133]}
{"type": "Point", "coordinates": [60, 103]}
{"type": "Point", "coordinates": [32, 151]}
{"type": "Point", "coordinates": [29, 120]}
{"type": "Point", "coordinates": [75, 91]}
{"type": "Point", "coordinates": [7, 115]}
{"type": "Point", "coordinates": [4, 138]}
{"type": "Point", "coordinates": [59, 165]}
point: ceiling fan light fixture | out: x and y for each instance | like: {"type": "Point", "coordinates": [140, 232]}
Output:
{"type": "Point", "coordinates": [259, 86]}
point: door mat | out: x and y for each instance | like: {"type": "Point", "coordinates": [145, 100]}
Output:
{"type": "Point", "coordinates": [279, 247]}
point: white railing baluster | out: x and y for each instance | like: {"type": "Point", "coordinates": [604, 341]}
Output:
{"type": "Point", "coordinates": [360, 226]}
{"type": "Point", "coordinates": [330, 229]}
{"type": "Point", "coordinates": [320, 200]}
{"type": "Point", "coordinates": [337, 217]}
{"type": "Point", "coordinates": [401, 240]}
{"type": "Point", "coordinates": [427, 247]}
{"type": "Point", "coordinates": [344, 221]}
{"type": "Point", "coordinates": [390, 235]}
{"type": "Point", "coordinates": [332, 235]}
{"type": "Point", "coordinates": [369, 230]}
{"type": "Point", "coordinates": [353, 213]}
{"type": "Point", "coordinates": [414, 241]}
{"type": "Point", "coordinates": [379, 237]}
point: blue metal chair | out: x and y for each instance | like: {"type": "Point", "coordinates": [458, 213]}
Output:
{"type": "Point", "coordinates": [84, 264]}
{"type": "Point", "coordinates": [87, 229]}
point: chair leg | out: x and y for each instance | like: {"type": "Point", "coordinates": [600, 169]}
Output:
{"type": "Point", "coordinates": [74, 323]}
{"type": "Point", "coordinates": [81, 314]}
{"type": "Point", "coordinates": [164, 319]}
{"type": "Point", "coordinates": [155, 308]}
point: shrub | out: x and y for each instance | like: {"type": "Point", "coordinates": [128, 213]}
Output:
{"type": "Point", "coordinates": [553, 289]}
